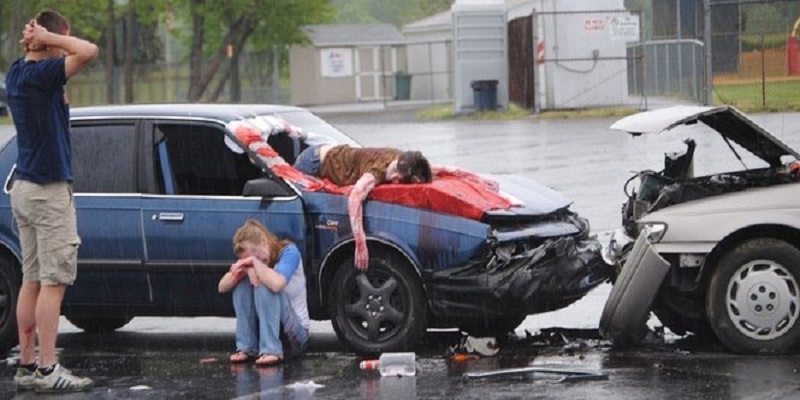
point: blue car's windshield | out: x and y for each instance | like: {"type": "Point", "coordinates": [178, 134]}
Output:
{"type": "Point", "coordinates": [312, 123]}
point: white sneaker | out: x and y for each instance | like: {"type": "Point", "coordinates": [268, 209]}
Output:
{"type": "Point", "coordinates": [61, 380]}
{"type": "Point", "coordinates": [25, 379]}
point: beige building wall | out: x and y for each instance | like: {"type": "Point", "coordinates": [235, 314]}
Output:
{"type": "Point", "coordinates": [304, 70]}
{"type": "Point", "coordinates": [309, 87]}
{"type": "Point", "coordinates": [372, 78]}
{"type": "Point", "coordinates": [430, 63]}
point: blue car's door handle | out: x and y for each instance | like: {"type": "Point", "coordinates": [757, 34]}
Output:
{"type": "Point", "coordinates": [168, 216]}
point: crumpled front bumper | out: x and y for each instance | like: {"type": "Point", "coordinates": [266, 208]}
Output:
{"type": "Point", "coordinates": [513, 282]}
{"type": "Point", "coordinates": [625, 313]}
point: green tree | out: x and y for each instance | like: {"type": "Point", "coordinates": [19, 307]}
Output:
{"type": "Point", "coordinates": [221, 31]}
{"type": "Point", "coordinates": [95, 20]}
{"type": "Point", "coordinates": [215, 27]}
{"type": "Point", "coordinates": [396, 12]}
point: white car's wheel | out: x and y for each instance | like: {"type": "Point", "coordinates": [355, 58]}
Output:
{"type": "Point", "coordinates": [753, 301]}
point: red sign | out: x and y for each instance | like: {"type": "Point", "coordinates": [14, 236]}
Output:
{"type": "Point", "coordinates": [594, 24]}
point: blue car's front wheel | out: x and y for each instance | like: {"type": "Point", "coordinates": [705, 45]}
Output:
{"type": "Point", "coordinates": [379, 310]}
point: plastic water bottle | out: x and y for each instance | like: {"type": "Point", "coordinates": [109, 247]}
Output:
{"type": "Point", "coordinates": [393, 364]}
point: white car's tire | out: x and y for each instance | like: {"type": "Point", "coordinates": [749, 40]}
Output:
{"type": "Point", "coordinates": [753, 300]}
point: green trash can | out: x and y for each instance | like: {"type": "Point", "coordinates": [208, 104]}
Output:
{"type": "Point", "coordinates": [402, 86]}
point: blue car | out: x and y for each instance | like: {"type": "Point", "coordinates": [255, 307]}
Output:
{"type": "Point", "coordinates": [3, 100]}
{"type": "Point", "coordinates": [160, 190]}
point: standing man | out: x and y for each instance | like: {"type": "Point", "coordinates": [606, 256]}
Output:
{"type": "Point", "coordinates": [364, 168]}
{"type": "Point", "coordinates": [41, 198]}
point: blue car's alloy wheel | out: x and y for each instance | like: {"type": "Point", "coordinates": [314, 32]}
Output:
{"type": "Point", "coordinates": [381, 309]}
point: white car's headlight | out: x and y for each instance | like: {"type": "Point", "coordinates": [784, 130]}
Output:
{"type": "Point", "coordinates": [655, 231]}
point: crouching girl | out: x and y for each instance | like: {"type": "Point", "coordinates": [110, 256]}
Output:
{"type": "Point", "coordinates": [269, 296]}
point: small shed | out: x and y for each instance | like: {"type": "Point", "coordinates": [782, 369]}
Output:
{"type": "Point", "coordinates": [430, 56]}
{"type": "Point", "coordinates": [347, 64]}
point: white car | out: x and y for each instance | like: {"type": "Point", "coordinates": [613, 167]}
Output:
{"type": "Point", "coordinates": [717, 254]}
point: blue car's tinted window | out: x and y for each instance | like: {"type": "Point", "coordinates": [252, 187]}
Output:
{"type": "Point", "coordinates": [103, 158]}
{"type": "Point", "coordinates": [200, 163]}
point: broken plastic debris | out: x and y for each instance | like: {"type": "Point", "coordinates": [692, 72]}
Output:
{"type": "Point", "coordinates": [305, 385]}
{"type": "Point", "coordinates": [484, 346]}
{"type": "Point", "coordinates": [567, 375]}
{"type": "Point", "coordinates": [462, 357]}
{"type": "Point", "coordinates": [392, 364]}
{"type": "Point", "coordinates": [140, 387]}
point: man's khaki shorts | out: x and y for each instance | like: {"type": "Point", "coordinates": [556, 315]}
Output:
{"type": "Point", "coordinates": [48, 231]}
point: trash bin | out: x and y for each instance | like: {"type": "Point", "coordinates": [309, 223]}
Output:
{"type": "Point", "coordinates": [402, 86]}
{"type": "Point", "coordinates": [484, 95]}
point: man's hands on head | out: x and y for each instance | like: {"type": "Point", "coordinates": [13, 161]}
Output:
{"type": "Point", "coordinates": [78, 52]}
{"type": "Point", "coordinates": [33, 36]}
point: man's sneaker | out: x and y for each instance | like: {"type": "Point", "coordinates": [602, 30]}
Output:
{"type": "Point", "coordinates": [61, 380]}
{"type": "Point", "coordinates": [25, 379]}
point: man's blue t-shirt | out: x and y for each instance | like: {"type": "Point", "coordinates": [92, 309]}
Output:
{"type": "Point", "coordinates": [35, 96]}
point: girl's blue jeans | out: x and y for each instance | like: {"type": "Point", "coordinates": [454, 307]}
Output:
{"type": "Point", "coordinates": [260, 313]}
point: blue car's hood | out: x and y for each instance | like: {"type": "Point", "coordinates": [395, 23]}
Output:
{"type": "Point", "coordinates": [536, 198]}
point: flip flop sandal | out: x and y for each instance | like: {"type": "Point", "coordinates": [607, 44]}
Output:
{"type": "Point", "coordinates": [241, 357]}
{"type": "Point", "coordinates": [266, 360]}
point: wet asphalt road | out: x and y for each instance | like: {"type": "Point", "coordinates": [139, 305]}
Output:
{"type": "Point", "coordinates": [581, 158]}
{"type": "Point", "coordinates": [165, 365]}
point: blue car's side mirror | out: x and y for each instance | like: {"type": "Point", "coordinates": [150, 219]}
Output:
{"type": "Point", "coordinates": [263, 187]}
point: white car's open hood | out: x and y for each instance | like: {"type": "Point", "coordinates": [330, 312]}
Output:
{"type": "Point", "coordinates": [728, 121]}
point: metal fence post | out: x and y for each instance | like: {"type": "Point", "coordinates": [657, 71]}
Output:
{"type": "Point", "coordinates": [537, 77]}
{"type": "Point", "coordinates": [707, 39]}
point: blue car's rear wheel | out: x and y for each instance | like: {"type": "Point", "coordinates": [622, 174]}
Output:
{"type": "Point", "coordinates": [98, 324]}
{"type": "Point", "coordinates": [10, 281]}
{"type": "Point", "coordinates": [379, 310]}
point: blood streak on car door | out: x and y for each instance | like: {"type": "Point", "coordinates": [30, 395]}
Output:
{"type": "Point", "coordinates": [197, 206]}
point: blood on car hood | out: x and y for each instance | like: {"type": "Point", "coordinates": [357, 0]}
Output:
{"type": "Point", "coordinates": [727, 121]}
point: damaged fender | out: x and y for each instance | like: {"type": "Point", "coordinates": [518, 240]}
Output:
{"type": "Point", "coordinates": [513, 281]}
{"type": "Point", "coordinates": [625, 313]}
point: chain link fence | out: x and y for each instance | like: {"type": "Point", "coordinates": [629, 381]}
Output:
{"type": "Point", "coordinates": [169, 83]}
{"type": "Point", "coordinates": [756, 59]}
{"type": "Point", "coordinates": [667, 69]}
{"type": "Point", "coordinates": [577, 59]}
{"type": "Point", "coordinates": [430, 70]}
{"type": "Point", "coordinates": [424, 79]}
